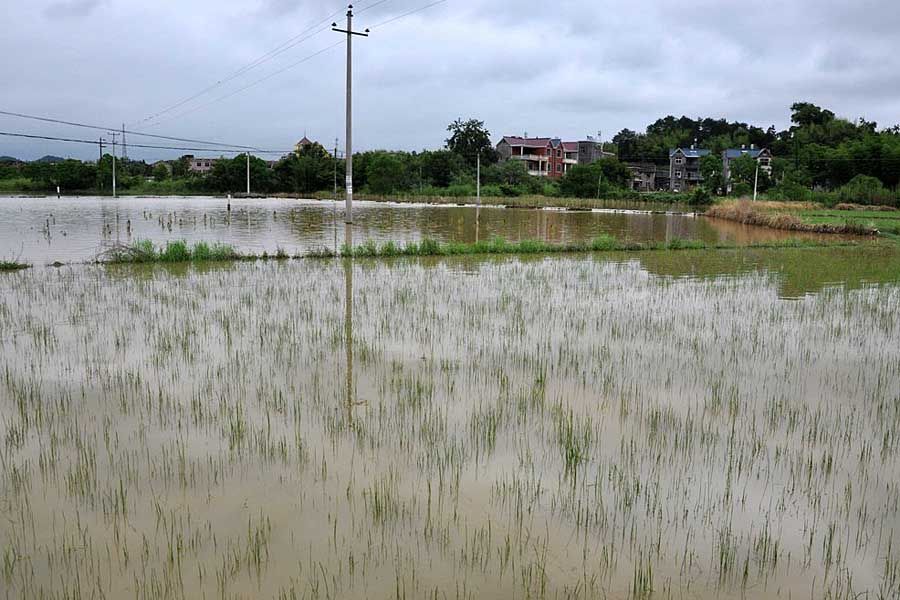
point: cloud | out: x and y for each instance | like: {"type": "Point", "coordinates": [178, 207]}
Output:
{"type": "Point", "coordinates": [71, 9]}
{"type": "Point", "coordinates": [566, 68]}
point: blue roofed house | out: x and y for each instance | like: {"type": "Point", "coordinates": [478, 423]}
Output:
{"type": "Point", "coordinates": [763, 157]}
{"type": "Point", "coordinates": [684, 168]}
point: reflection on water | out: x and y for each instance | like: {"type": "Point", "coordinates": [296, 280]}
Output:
{"type": "Point", "coordinates": [502, 427]}
{"type": "Point", "coordinates": [43, 230]}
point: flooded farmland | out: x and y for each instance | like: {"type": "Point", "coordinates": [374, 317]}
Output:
{"type": "Point", "coordinates": [695, 424]}
{"type": "Point", "coordinates": [41, 231]}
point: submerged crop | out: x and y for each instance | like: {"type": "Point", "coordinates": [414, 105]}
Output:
{"type": "Point", "coordinates": [570, 427]}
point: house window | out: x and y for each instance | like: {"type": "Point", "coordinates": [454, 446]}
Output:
{"type": "Point", "coordinates": [678, 174]}
{"type": "Point", "coordinates": [679, 161]}
{"type": "Point", "coordinates": [558, 153]}
{"type": "Point", "coordinates": [559, 168]}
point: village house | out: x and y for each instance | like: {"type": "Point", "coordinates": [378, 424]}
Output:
{"type": "Point", "coordinates": [200, 165]}
{"type": "Point", "coordinates": [763, 156]}
{"type": "Point", "coordinates": [549, 157]}
{"type": "Point", "coordinates": [684, 168]}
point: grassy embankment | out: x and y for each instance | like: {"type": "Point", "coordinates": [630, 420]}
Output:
{"type": "Point", "coordinates": [810, 217]}
{"type": "Point", "coordinates": [145, 252]}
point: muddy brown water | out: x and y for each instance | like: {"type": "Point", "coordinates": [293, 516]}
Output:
{"type": "Point", "coordinates": [44, 230]}
{"type": "Point", "coordinates": [686, 424]}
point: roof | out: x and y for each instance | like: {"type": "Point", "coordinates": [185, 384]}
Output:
{"type": "Point", "coordinates": [305, 142]}
{"type": "Point", "coordinates": [689, 152]}
{"type": "Point", "coordinates": [570, 146]}
{"type": "Point", "coordinates": [732, 153]}
{"type": "Point", "coordinates": [514, 140]}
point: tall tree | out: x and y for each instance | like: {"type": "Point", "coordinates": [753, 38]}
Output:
{"type": "Point", "coordinates": [468, 139]}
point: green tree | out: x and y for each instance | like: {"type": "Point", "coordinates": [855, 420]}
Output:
{"type": "Point", "coordinates": [440, 167]}
{"type": "Point", "coordinates": [385, 173]}
{"type": "Point", "coordinates": [583, 181]}
{"type": "Point", "coordinates": [711, 170]}
{"type": "Point", "coordinates": [160, 172]}
{"type": "Point", "coordinates": [470, 138]}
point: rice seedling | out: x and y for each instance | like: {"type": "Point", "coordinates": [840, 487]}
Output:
{"type": "Point", "coordinates": [506, 422]}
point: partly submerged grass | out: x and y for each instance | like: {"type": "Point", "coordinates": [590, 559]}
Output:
{"type": "Point", "coordinates": [173, 252]}
{"type": "Point", "coordinates": [12, 265]}
{"type": "Point", "coordinates": [497, 245]}
{"type": "Point", "coordinates": [144, 251]}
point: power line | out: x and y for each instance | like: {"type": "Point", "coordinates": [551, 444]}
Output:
{"type": "Point", "coordinates": [95, 142]}
{"type": "Point", "coordinates": [248, 86]}
{"type": "Point", "coordinates": [280, 49]}
{"type": "Point", "coordinates": [297, 63]}
{"type": "Point", "coordinates": [406, 14]}
{"type": "Point", "coordinates": [97, 127]}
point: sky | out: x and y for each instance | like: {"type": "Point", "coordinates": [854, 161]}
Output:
{"type": "Point", "coordinates": [559, 69]}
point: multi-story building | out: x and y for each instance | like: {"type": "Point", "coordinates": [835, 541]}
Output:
{"type": "Point", "coordinates": [684, 168]}
{"type": "Point", "coordinates": [643, 176]}
{"type": "Point", "coordinates": [763, 156]}
{"type": "Point", "coordinates": [200, 165]}
{"type": "Point", "coordinates": [549, 157]}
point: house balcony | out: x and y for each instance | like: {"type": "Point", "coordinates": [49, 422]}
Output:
{"type": "Point", "coordinates": [532, 157]}
{"type": "Point", "coordinates": [570, 161]}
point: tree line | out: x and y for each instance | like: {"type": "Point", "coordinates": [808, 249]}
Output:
{"type": "Point", "coordinates": [819, 152]}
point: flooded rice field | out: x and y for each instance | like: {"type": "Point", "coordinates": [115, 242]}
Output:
{"type": "Point", "coordinates": [41, 230]}
{"type": "Point", "coordinates": [673, 425]}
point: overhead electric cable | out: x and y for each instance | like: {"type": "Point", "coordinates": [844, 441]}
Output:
{"type": "Point", "coordinates": [97, 127]}
{"type": "Point", "coordinates": [306, 34]}
{"type": "Point", "coordinates": [156, 147]}
{"type": "Point", "coordinates": [294, 64]}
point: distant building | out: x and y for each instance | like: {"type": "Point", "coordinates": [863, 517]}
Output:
{"type": "Point", "coordinates": [549, 157]}
{"type": "Point", "coordinates": [200, 165]}
{"type": "Point", "coordinates": [303, 144]}
{"type": "Point", "coordinates": [165, 163]}
{"type": "Point", "coordinates": [643, 176]}
{"type": "Point", "coordinates": [763, 156]}
{"type": "Point", "coordinates": [684, 168]}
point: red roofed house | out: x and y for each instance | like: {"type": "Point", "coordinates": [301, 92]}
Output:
{"type": "Point", "coordinates": [543, 157]}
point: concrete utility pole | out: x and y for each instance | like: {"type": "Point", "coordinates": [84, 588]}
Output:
{"type": "Point", "coordinates": [756, 180]}
{"type": "Point", "coordinates": [124, 147]}
{"type": "Point", "coordinates": [114, 134]}
{"type": "Point", "coordinates": [248, 174]}
{"type": "Point", "coordinates": [348, 212]}
{"type": "Point", "coordinates": [478, 179]}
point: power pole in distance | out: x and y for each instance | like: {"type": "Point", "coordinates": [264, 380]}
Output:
{"type": "Point", "coordinates": [124, 147]}
{"type": "Point", "coordinates": [114, 134]}
{"type": "Point", "coordinates": [348, 213]}
{"type": "Point", "coordinates": [248, 174]}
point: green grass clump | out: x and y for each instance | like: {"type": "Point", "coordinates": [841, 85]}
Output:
{"type": "Point", "coordinates": [12, 265]}
{"type": "Point", "coordinates": [498, 245]}
{"type": "Point", "coordinates": [143, 251]}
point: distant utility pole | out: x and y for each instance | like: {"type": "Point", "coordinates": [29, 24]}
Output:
{"type": "Point", "coordinates": [248, 174]}
{"type": "Point", "coordinates": [114, 134]}
{"type": "Point", "coordinates": [101, 149]}
{"type": "Point", "coordinates": [756, 180]}
{"type": "Point", "coordinates": [478, 179]}
{"type": "Point", "coordinates": [348, 216]}
{"type": "Point", "coordinates": [124, 147]}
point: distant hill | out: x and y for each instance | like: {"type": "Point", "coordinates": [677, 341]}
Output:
{"type": "Point", "coordinates": [8, 159]}
{"type": "Point", "coordinates": [49, 159]}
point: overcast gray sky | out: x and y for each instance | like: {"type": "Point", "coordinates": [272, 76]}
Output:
{"type": "Point", "coordinates": [566, 68]}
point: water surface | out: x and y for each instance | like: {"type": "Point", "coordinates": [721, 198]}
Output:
{"type": "Point", "coordinates": [691, 424]}
{"type": "Point", "coordinates": [43, 230]}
